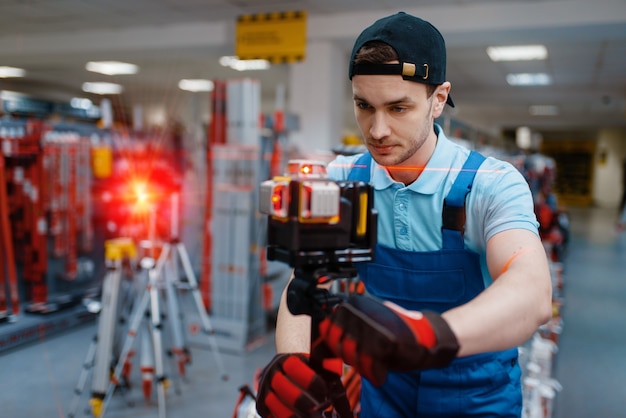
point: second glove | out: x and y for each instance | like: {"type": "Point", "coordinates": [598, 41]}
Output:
{"type": "Point", "coordinates": [375, 338]}
{"type": "Point", "coordinates": [290, 388]}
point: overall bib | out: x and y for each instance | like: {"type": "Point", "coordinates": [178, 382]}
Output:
{"type": "Point", "coordinates": [483, 385]}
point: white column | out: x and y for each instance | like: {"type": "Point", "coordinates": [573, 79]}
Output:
{"type": "Point", "coordinates": [317, 95]}
{"type": "Point", "coordinates": [194, 116]}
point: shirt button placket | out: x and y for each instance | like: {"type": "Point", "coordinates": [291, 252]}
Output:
{"type": "Point", "coordinates": [401, 220]}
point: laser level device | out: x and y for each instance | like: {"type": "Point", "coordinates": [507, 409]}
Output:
{"type": "Point", "coordinates": [314, 221]}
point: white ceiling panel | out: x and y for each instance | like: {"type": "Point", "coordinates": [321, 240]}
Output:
{"type": "Point", "coordinates": [173, 39]}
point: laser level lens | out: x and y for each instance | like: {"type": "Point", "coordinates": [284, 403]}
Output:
{"type": "Point", "coordinates": [277, 198]}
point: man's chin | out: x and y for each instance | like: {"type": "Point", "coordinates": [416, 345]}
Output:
{"type": "Point", "coordinates": [384, 159]}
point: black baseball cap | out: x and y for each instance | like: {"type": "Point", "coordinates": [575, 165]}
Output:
{"type": "Point", "coordinates": [419, 45]}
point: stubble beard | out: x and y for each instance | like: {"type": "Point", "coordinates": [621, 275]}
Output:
{"type": "Point", "coordinates": [419, 139]}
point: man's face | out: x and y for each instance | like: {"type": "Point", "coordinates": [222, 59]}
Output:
{"type": "Point", "coordinates": [396, 118]}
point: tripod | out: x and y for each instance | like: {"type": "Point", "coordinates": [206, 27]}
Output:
{"type": "Point", "coordinates": [161, 275]}
{"type": "Point", "coordinates": [120, 255]}
{"type": "Point", "coordinates": [170, 251]}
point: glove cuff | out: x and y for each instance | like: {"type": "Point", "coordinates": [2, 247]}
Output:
{"type": "Point", "coordinates": [447, 346]}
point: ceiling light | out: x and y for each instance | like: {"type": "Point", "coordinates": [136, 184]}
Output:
{"type": "Point", "coordinates": [523, 137]}
{"type": "Point", "coordinates": [11, 95]}
{"type": "Point", "coordinates": [102, 88]}
{"type": "Point", "coordinates": [529, 79]}
{"type": "Point", "coordinates": [10, 72]}
{"type": "Point", "coordinates": [195, 85]}
{"type": "Point", "coordinates": [517, 53]}
{"type": "Point", "coordinates": [81, 103]}
{"type": "Point", "coordinates": [244, 65]}
{"type": "Point", "coordinates": [543, 110]}
{"type": "Point", "coordinates": [111, 67]}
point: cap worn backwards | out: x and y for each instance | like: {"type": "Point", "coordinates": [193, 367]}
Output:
{"type": "Point", "coordinates": [420, 47]}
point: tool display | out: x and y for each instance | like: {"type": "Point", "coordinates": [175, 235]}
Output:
{"type": "Point", "coordinates": [8, 307]}
{"type": "Point", "coordinates": [46, 187]}
{"type": "Point", "coordinates": [230, 277]}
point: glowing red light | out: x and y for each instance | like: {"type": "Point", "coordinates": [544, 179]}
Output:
{"type": "Point", "coordinates": [277, 198]}
{"type": "Point", "coordinates": [139, 196]}
{"type": "Point", "coordinates": [306, 169]}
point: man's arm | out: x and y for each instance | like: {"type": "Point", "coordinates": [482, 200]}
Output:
{"type": "Point", "coordinates": [293, 332]}
{"type": "Point", "coordinates": [508, 312]}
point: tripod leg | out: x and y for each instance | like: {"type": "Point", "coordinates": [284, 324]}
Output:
{"type": "Point", "coordinates": [155, 316]}
{"type": "Point", "coordinates": [82, 380]}
{"type": "Point", "coordinates": [206, 323]}
{"type": "Point", "coordinates": [136, 318]}
{"type": "Point", "coordinates": [175, 317]}
{"type": "Point", "coordinates": [106, 330]}
{"type": "Point", "coordinates": [128, 296]}
{"type": "Point", "coordinates": [147, 364]}
{"type": "Point", "coordinates": [160, 264]}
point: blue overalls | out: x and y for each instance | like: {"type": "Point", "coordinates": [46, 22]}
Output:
{"type": "Point", "coordinates": [482, 385]}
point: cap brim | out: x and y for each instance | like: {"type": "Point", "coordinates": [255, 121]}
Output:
{"type": "Point", "coordinates": [449, 101]}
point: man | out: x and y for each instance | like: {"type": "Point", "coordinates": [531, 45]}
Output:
{"type": "Point", "coordinates": [459, 278]}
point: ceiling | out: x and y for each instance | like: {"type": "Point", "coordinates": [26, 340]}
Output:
{"type": "Point", "coordinates": [174, 39]}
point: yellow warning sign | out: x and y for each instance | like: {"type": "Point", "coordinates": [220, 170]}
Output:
{"type": "Point", "coordinates": [278, 37]}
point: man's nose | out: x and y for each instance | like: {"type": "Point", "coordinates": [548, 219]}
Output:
{"type": "Point", "coordinates": [380, 126]}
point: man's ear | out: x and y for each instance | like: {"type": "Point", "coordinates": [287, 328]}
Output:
{"type": "Point", "coordinates": [440, 95]}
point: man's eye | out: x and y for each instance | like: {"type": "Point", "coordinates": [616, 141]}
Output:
{"type": "Point", "coordinates": [362, 105]}
{"type": "Point", "coordinates": [398, 109]}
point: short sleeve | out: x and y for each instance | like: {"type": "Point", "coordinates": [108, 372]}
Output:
{"type": "Point", "coordinates": [500, 200]}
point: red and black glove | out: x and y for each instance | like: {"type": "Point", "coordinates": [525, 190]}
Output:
{"type": "Point", "coordinates": [375, 338]}
{"type": "Point", "coordinates": [289, 387]}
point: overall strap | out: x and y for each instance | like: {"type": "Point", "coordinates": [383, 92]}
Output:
{"type": "Point", "coordinates": [453, 221]}
{"type": "Point", "coordinates": [360, 171]}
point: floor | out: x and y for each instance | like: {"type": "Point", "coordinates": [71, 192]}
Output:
{"type": "Point", "coordinates": [591, 361]}
{"type": "Point", "coordinates": [39, 378]}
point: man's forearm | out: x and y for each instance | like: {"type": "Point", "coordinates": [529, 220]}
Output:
{"type": "Point", "coordinates": [293, 332]}
{"type": "Point", "coordinates": [502, 317]}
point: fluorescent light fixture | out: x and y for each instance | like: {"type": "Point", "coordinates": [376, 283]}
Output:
{"type": "Point", "coordinates": [529, 79]}
{"type": "Point", "coordinates": [11, 95]}
{"type": "Point", "coordinates": [111, 67]}
{"type": "Point", "coordinates": [517, 53]}
{"type": "Point", "coordinates": [244, 65]}
{"type": "Point", "coordinates": [523, 137]}
{"type": "Point", "coordinates": [543, 110]}
{"type": "Point", "coordinates": [81, 103]}
{"type": "Point", "coordinates": [102, 88]}
{"type": "Point", "coordinates": [195, 85]}
{"type": "Point", "coordinates": [11, 72]}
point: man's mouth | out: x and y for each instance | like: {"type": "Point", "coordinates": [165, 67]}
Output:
{"type": "Point", "coordinates": [382, 149]}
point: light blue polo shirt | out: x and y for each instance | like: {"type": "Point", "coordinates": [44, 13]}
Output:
{"type": "Point", "coordinates": [409, 217]}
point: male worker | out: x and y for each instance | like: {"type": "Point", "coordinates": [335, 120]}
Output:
{"type": "Point", "coordinates": [460, 277]}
